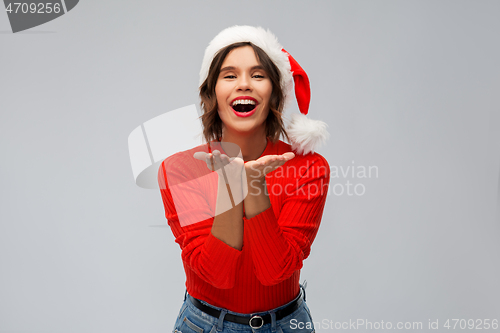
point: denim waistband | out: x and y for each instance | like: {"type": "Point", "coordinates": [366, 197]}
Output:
{"type": "Point", "coordinates": [301, 297]}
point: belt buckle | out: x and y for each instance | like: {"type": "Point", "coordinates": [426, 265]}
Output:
{"type": "Point", "coordinates": [256, 317]}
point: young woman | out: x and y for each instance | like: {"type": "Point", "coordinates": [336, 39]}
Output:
{"type": "Point", "coordinates": [245, 207]}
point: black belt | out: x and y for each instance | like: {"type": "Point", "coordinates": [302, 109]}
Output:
{"type": "Point", "coordinates": [254, 321]}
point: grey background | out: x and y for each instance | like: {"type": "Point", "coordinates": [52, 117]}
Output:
{"type": "Point", "coordinates": [408, 86]}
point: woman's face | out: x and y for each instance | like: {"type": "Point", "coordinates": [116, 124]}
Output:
{"type": "Point", "coordinates": [243, 92]}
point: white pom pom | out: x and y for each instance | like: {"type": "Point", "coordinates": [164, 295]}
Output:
{"type": "Point", "coordinates": [306, 135]}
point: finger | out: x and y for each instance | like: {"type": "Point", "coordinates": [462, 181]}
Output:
{"type": "Point", "coordinates": [200, 155]}
{"type": "Point", "coordinates": [276, 160]}
{"type": "Point", "coordinates": [222, 160]}
{"type": "Point", "coordinates": [282, 159]}
{"type": "Point", "coordinates": [210, 162]}
{"type": "Point", "coordinates": [276, 163]}
{"type": "Point", "coordinates": [271, 159]}
{"type": "Point", "coordinates": [218, 159]}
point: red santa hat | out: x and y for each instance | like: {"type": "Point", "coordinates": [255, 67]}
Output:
{"type": "Point", "coordinates": [306, 135]}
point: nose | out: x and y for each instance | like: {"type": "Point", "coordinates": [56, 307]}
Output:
{"type": "Point", "coordinates": [244, 83]}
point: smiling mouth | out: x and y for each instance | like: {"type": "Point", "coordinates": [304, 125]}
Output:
{"type": "Point", "coordinates": [244, 106]}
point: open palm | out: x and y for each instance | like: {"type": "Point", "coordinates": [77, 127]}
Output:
{"type": "Point", "coordinates": [258, 169]}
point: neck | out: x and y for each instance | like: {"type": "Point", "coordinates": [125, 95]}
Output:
{"type": "Point", "coordinates": [251, 145]}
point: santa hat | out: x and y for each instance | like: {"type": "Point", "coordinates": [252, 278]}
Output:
{"type": "Point", "coordinates": [306, 135]}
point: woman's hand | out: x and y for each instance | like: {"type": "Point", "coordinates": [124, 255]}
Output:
{"type": "Point", "coordinates": [229, 171]}
{"type": "Point", "coordinates": [258, 169]}
{"type": "Point", "coordinates": [228, 168]}
{"type": "Point", "coordinates": [255, 188]}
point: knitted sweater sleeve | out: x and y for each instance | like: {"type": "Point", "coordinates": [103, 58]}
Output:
{"type": "Point", "coordinates": [211, 259]}
{"type": "Point", "coordinates": [279, 245]}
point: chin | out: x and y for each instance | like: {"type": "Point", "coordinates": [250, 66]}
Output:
{"type": "Point", "coordinates": [243, 129]}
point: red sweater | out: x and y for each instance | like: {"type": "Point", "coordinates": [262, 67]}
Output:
{"type": "Point", "coordinates": [265, 273]}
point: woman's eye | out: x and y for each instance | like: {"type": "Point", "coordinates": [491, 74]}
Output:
{"type": "Point", "coordinates": [257, 76]}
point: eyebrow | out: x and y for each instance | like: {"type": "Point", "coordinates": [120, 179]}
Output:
{"type": "Point", "coordinates": [232, 68]}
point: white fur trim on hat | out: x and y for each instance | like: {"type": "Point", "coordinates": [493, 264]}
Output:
{"type": "Point", "coordinates": [306, 135]}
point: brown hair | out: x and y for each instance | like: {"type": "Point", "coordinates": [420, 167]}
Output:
{"type": "Point", "coordinates": [212, 124]}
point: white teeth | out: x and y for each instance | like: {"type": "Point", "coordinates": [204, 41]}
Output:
{"type": "Point", "coordinates": [243, 101]}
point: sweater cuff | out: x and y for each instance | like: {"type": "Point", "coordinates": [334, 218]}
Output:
{"type": "Point", "coordinates": [220, 253]}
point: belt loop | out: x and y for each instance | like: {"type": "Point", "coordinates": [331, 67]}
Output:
{"type": "Point", "coordinates": [220, 324]}
{"type": "Point", "coordinates": [304, 286]}
{"type": "Point", "coordinates": [273, 321]}
{"type": "Point", "coordinates": [185, 294]}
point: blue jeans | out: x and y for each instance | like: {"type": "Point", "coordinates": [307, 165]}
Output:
{"type": "Point", "coordinates": [193, 320]}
